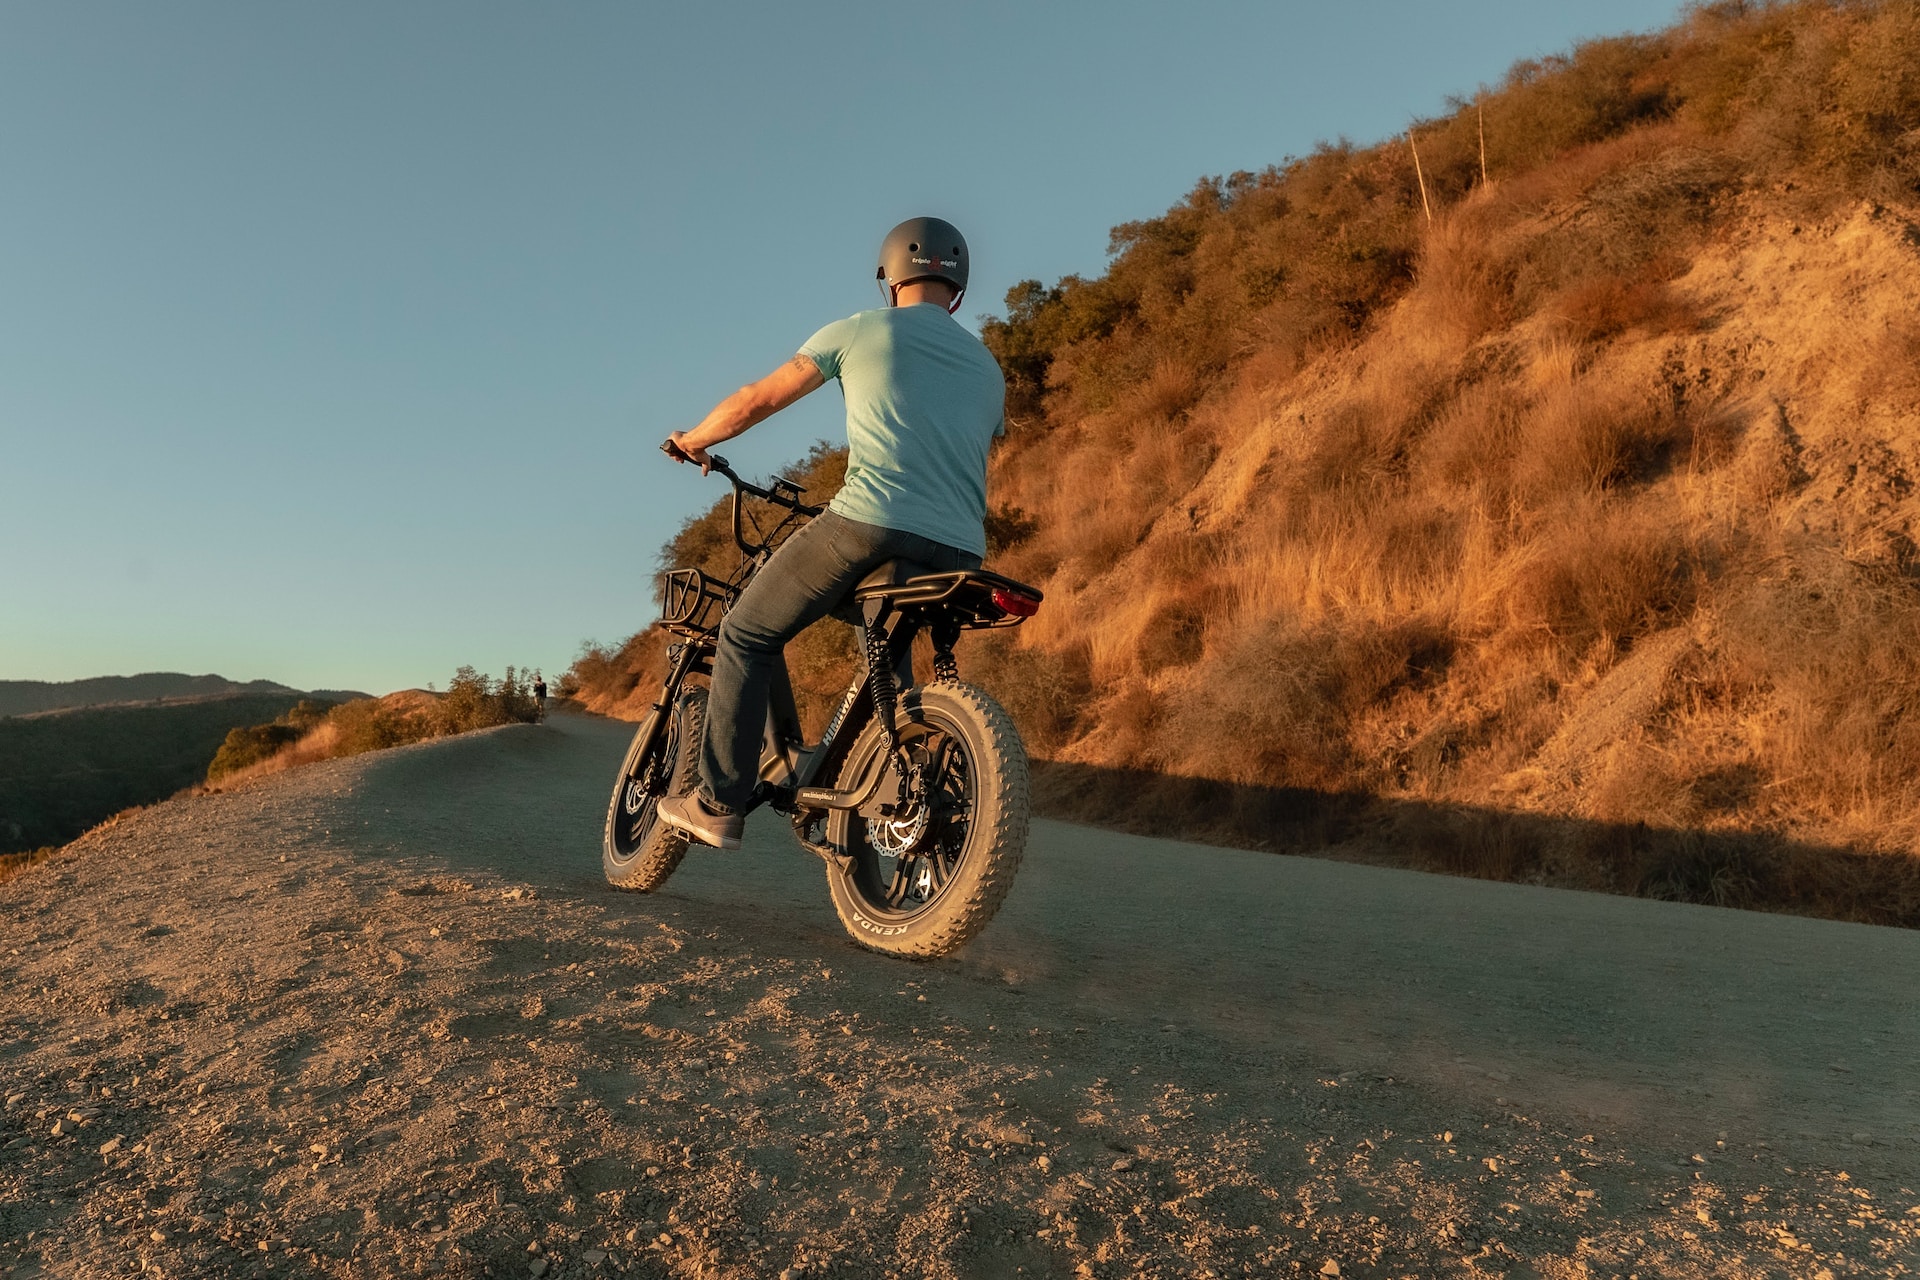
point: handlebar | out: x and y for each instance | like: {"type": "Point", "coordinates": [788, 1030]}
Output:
{"type": "Point", "coordinates": [783, 493]}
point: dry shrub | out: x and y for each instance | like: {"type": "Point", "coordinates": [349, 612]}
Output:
{"type": "Point", "coordinates": [1876, 108]}
{"type": "Point", "coordinates": [604, 680]}
{"type": "Point", "coordinates": [1267, 712]}
{"type": "Point", "coordinates": [321, 743]}
{"type": "Point", "coordinates": [248, 746]}
{"type": "Point", "coordinates": [1174, 635]}
{"type": "Point", "coordinates": [1639, 223]}
{"type": "Point", "coordinates": [1415, 548]}
{"type": "Point", "coordinates": [1636, 781]}
{"type": "Point", "coordinates": [1684, 865]}
{"type": "Point", "coordinates": [1472, 444]}
{"type": "Point", "coordinates": [1467, 842]}
{"type": "Point", "coordinates": [1549, 106]}
{"type": "Point", "coordinates": [1045, 690]}
{"type": "Point", "coordinates": [1166, 392]}
{"type": "Point", "coordinates": [13, 864]}
{"type": "Point", "coordinates": [375, 724]}
{"type": "Point", "coordinates": [1464, 285]}
{"type": "Point", "coordinates": [1836, 646]}
{"type": "Point", "coordinates": [306, 735]}
{"type": "Point", "coordinates": [1094, 512]}
{"type": "Point", "coordinates": [1604, 306]}
{"type": "Point", "coordinates": [1355, 443]}
{"type": "Point", "coordinates": [1605, 573]}
{"type": "Point", "coordinates": [1584, 435]}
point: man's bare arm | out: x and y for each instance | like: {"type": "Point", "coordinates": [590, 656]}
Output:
{"type": "Point", "coordinates": [750, 404]}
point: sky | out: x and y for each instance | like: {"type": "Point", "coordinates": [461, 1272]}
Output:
{"type": "Point", "coordinates": [336, 341]}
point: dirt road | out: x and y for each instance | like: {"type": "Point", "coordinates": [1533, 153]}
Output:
{"type": "Point", "coordinates": [382, 1017]}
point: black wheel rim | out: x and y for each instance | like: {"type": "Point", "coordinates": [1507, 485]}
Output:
{"type": "Point", "coordinates": [900, 887]}
{"type": "Point", "coordinates": [641, 790]}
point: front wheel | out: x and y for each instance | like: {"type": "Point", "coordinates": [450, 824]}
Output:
{"type": "Point", "coordinates": [637, 850]}
{"type": "Point", "coordinates": [928, 877]}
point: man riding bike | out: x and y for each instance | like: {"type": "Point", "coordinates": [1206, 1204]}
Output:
{"type": "Point", "coordinates": [925, 398]}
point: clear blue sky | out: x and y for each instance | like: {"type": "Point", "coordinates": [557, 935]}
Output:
{"type": "Point", "coordinates": [336, 339]}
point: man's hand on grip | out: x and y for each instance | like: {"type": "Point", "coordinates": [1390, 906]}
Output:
{"type": "Point", "coordinates": [676, 447]}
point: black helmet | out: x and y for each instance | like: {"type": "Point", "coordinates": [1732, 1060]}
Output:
{"type": "Point", "coordinates": [922, 249]}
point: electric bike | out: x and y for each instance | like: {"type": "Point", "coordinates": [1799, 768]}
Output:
{"type": "Point", "coordinates": [915, 798]}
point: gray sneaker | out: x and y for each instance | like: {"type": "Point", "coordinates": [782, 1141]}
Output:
{"type": "Point", "coordinates": [690, 814]}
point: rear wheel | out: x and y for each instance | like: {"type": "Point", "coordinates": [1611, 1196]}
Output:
{"type": "Point", "coordinates": [637, 850]}
{"type": "Point", "coordinates": [926, 879]}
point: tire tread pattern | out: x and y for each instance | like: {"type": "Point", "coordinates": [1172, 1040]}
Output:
{"type": "Point", "coordinates": [1004, 813]}
{"type": "Point", "coordinates": [649, 868]}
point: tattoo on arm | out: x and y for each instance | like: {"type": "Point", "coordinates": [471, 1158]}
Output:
{"type": "Point", "coordinates": [802, 362]}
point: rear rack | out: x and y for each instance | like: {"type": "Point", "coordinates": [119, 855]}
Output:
{"type": "Point", "coordinates": [970, 591]}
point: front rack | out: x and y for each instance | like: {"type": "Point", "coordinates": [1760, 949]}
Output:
{"type": "Point", "coordinates": [692, 602]}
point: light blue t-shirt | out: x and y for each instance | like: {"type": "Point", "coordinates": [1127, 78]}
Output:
{"type": "Point", "coordinates": [925, 398]}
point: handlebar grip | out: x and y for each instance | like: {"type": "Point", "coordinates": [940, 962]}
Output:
{"type": "Point", "coordinates": [674, 451]}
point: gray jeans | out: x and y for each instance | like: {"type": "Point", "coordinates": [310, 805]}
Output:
{"type": "Point", "coordinates": [808, 577]}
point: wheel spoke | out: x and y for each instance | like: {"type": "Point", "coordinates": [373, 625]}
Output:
{"type": "Point", "coordinates": [921, 872]}
{"type": "Point", "coordinates": [901, 882]}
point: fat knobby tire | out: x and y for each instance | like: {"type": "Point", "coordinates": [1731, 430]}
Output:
{"type": "Point", "coordinates": [996, 838]}
{"type": "Point", "coordinates": [647, 867]}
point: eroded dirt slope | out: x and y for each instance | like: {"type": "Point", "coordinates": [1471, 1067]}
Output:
{"type": "Point", "coordinates": [381, 1017]}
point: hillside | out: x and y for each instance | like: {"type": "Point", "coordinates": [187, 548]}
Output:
{"type": "Point", "coordinates": [1565, 532]}
{"type": "Point", "coordinates": [62, 772]}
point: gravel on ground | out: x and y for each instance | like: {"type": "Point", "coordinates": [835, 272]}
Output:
{"type": "Point", "coordinates": [381, 1016]}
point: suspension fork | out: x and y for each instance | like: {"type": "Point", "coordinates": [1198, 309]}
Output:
{"type": "Point", "coordinates": [687, 657]}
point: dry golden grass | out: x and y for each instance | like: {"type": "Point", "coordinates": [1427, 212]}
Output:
{"type": "Point", "coordinates": [13, 864]}
{"type": "Point", "coordinates": [372, 724]}
{"type": "Point", "coordinates": [1409, 560]}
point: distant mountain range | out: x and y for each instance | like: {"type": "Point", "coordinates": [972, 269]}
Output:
{"type": "Point", "coordinates": [37, 697]}
{"type": "Point", "coordinates": [77, 752]}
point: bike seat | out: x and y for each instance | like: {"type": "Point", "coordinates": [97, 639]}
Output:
{"type": "Point", "coordinates": [890, 576]}
{"type": "Point", "coordinates": [894, 573]}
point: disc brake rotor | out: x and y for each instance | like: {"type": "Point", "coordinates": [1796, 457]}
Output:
{"type": "Point", "coordinates": [896, 836]}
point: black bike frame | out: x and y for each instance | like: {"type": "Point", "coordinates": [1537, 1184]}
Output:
{"type": "Point", "coordinates": [790, 771]}
{"type": "Point", "coordinates": [792, 774]}
{"type": "Point", "coordinates": [787, 765]}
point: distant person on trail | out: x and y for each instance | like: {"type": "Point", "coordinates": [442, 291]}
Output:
{"type": "Point", "coordinates": [539, 698]}
{"type": "Point", "coordinates": [925, 400]}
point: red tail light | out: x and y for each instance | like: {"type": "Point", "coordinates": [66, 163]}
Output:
{"type": "Point", "coordinates": [1023, 606]}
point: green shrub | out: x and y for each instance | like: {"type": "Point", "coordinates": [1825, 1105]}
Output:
{"type": "Point", "coordinates": [374, 724]}
{"type": "Point", "coordinates": [476, 701]}
{"type": "Point", "coordinates": [249, 746]}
